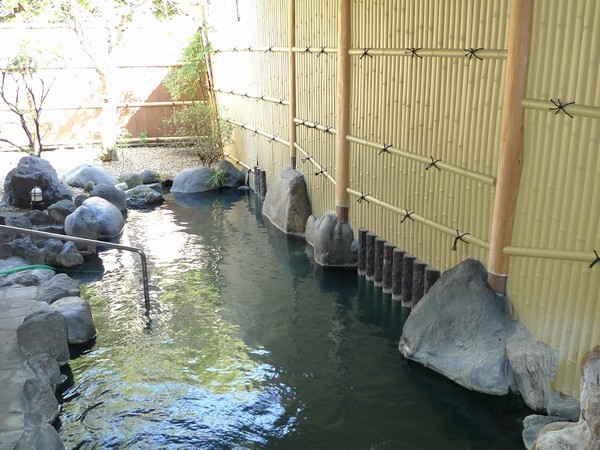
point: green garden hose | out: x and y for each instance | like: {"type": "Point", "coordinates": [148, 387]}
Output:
{"type": "Point", "coordinates": [22, 268]}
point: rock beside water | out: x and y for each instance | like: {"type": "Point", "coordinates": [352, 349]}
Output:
{"type": "Point", "coordinates": [459, 328]}
{"type": "Point", "coordinates": [286, 203]}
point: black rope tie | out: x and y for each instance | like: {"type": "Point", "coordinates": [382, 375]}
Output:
{"type": "Point", "coordinates": [407, 216]}
{"type": "Point", "coordinates": [306, 50]}
{"type": "Point", "coordinates": [302, 122]}
{"type": "Point", "coordinates": [596, 261]}
{"type": "Point", "coordinates": [322, 52]}
{"type": "Point", "coordinates": [363, 197]}
{"type": "Point", "coordinates": [280, 102]}
{"type": "Point", "coordinates": [270, 49]}
{"type": "Point", "coordinates": [385, 149]}
{"type": "Point", "coordinates": [560, 106]}
{"type": "Point", "coordinates": [327, 130]}
{"type": "Point", "coordinates": [459, 237]}
{"type": "Point", "coordinates": [249, 49]}
{"type": "Point", "coordinates": [433, 163]}
{"type": "Point", "coordinates": [262, 97]}
{"type": "Point", "coordinates": [308, 158]}
{"type": "Point", "coordinates": [413, 52]}
{"type": "Point", "coordinates": [472, 52]}
{"type": "Point", "coordinates": [255, 132]}
{"type": "Point", "coordinates": [323, 170]}
{"type": "Point", "coordinates": [242, 127]}
{"type": "Point", "coordinates": [246, 95]}
{"type": "Point", "coordinates": [366, 53]}
{"type": "Point", "coordinates": [270, 141]}
{"type": "Point", "coordinates": [235, 49]}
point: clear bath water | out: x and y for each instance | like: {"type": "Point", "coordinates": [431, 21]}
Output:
{"type": "Point", "coordinates": [250, 345]}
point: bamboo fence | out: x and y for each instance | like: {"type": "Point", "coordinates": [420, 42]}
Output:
{"type": "Point", "coordinates": [426, 111]}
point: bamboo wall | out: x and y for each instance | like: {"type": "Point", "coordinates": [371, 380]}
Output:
{"type": "Point", "coordinates": [426, 107]}
{"type": "Point", "coordinates": [72, 108]}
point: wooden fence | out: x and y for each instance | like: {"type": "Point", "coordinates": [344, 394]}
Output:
{"type": "Point", "coordinates": [425, 134]}
{"type": "Point", "coordinates": [72, 109]}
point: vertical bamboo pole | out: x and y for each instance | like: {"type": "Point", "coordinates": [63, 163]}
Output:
{"type": "Point", "coordinates": [511, 141]}
{"type": "Point", "coordinates": [292, 81]}
{"type": "Point", "coordinates": [342, 167]}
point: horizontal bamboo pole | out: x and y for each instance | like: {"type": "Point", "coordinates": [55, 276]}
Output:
{"type": "Point", "coordinates": [418, 52]}
{"type": "Point", "coordinates": [314, 125]}
{"type": "Point", "coordinates": [563, 255]}
{"type": "Point", "coordinates": [315, 163]}
{"type": "Point", "coordinates": [271, 137]}
{"type": "Point", "coordinates": [486, 179]}
{"type": "Point", "coordinates": [258, 49]}
{"type": "Point", "coordinates": [574, 109]}
{"type": "Point", "coordinates": [420, 219]}
{"type": "Point", "coordinates": [265, 98]}
{"type": "Point", "coordinates": [431, 52]}
{"type": "Point", "coordinates": [241, 163]}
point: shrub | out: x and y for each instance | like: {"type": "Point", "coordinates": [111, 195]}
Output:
{"type": "Point", "coordinates": [201, 129]}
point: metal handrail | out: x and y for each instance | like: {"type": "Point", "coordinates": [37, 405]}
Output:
{"type": "Point", "coordinates": [81, 240]}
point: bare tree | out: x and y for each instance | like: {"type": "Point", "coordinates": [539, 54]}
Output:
{"type": "Point", "coordinates": [24, 93]}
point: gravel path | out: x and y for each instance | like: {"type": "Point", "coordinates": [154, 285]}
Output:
{"type": "Point", "coordinates": [167, 161]}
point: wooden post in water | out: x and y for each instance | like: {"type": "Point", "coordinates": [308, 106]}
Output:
{"type": "Point", "coordinates": [342, 166]}
{"type": "Point", "coordinates": [292, 81]}
{"type": "Point", "coordinates": [511, 141]}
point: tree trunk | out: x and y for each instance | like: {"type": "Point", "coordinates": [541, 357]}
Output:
{"type": "Point", "coordinates": [108, 117]}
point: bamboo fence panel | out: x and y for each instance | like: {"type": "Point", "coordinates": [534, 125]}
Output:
{"type": "Point", "coordinates": [426, 106]}
{"type": "Point", "coordinates": [557, 212]}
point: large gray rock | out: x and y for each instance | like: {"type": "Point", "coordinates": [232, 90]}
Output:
{"type": "Point", "coordinates": [149, 176]}
{"type": "Point", "coordinates": [32, 171]}
{"type": "Point", "coordinates": [39, 218]}
{"type": "Point", "coordinates": [142, 196]}
{"type": "Point", "coordinates": [44, 332]}
{"type": "Point", "coordinates": [333, 242]}
{"type": "Point", "coordinates": [25, 248]}
{"type": "Point", "coordinates": [459, 329]}
{"type": "Point", "coordinates": [61, 285]}
{"type": "Point", "coordinates": [46, 368]}
{"type": "Point", "coordinates": [41, 436]}
{"type": "Point", "coordinates": [585, 434]}
{"type": "Point", "coordinates": [110, 193]}
{"type": "Point", "coordinates": [78, 316]}
{"type": "Point", "coordinates": [60, 210]}
{"type": "Point", "coordinates": [286, 203]}
{"type": "Point", "coordinates": [40, 400]}
{"type": "Point", "coordinates": [533, 424]}
{"type": "Point", "coordinates": [534, 365]}
{"type": "Point", "coordinates": [69, 256]}
{"type": "Point", "coordinates": [96, 218]}
{"type": "Point", "coordinates": [84, 173]}
{"type": "Point", "coordinates": [193, 180]}
{"type": "Point", "coordinates": [131, 180]}
{"type": "Point", "coordinates": [234, 178]}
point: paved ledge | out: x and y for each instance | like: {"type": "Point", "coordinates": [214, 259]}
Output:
{"type": "Point", "coordinates": [17, 302]}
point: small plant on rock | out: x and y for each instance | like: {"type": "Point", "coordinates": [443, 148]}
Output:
{"type": "Point", "coordinates": [217, 177]}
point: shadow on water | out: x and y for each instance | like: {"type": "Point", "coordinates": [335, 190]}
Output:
{"type": "Point", "coordinates": [253, 345]}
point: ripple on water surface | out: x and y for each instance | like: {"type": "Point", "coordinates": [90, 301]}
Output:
{"type": "Point", "coordinates": [250, 345]}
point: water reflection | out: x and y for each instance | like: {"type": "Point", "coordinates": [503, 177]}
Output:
{"type": "Point", "coordinates": [251, 345]}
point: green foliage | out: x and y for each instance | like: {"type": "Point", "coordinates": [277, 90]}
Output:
{"type": "Point", "coordinates": [202, 130]}
{"type": "Point", "coordinates": [143, 137]}
{"type": "Point", "coordinates": [217, 177]}
{"type": "Point", "coordinates": [184, 81]}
